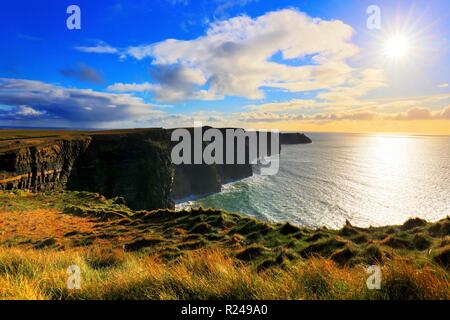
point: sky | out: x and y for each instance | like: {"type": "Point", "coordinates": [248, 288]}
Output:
{"type": "Point", "coordinates": [327, 66]}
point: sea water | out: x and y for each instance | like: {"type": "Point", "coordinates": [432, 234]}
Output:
{"type": "Point", "coordinates": [367, 179]}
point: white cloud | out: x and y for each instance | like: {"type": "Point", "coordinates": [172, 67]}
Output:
{"type": "Point", "coordinates": [266, 117]}
{"type": "Point", "coordinates": [132, 87]}
{"type": "Point", "coordinates": [101, 47]}
{"type": "Point", "coordinates": [236, 58]}
{"type": "Point", "coordinates": [391, 105]}
{"type": "Point", "coordinates": [271, 119]}
{"type": "Point", "coordinates": [416, 113]}
{"type": "Point", "coordinates": [419, 113]}
{"type": "Point", "coordinates": [27, 111]}
{"type": "Point", "coordinates": [443, 85]}
{"type": "Point", "coordinates": [356, 87]}
{"type": "Point", "coordinates": [289, 105]}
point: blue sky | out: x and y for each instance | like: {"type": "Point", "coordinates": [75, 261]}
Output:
{"type": "Point", "coordinates": [123, 70]}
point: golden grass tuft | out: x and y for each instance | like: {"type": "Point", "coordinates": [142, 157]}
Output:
{"type": "Point", "coordinates": [404, 280]}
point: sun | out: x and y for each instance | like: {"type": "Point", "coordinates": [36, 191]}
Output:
{"type": "Point", "coordinates": [397, 46]}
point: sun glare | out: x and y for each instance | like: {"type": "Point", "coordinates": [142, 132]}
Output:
{"type": "Point", "coordinates": [397, 47]}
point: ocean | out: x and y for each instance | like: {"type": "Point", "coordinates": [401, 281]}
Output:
{"type": "Point", "coordinates": [367, 179]}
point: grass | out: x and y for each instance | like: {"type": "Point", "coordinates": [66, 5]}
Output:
{"type": "Point", "coordinates": [13, 134]}
{"type": "Point", "coordinates": [18, 134]}
{"type": "Point", "coordinates": [203, 274]}
{"type": "Point", "coordinates": [17, 138]}
{"type": "Point", "coordinates": [206, 254]}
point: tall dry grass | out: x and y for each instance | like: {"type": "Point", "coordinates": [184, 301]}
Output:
{"type": "Point", "coordinates": [203, 274]}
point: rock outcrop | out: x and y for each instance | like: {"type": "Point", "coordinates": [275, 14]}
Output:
{"type": "Point", "coordinates": [294, 138]}
{"type": "Point", "coordinates": [41, 166]}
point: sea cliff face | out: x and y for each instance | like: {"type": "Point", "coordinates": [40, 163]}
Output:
{"type": "Point", "coordinates": [133, 164]}
{"type": "Point", "coordinates": [200, 179]}
{"type": "Point", "coordinates": [40, 167]}
{"type": "Point", "coordinates": [136, 166]}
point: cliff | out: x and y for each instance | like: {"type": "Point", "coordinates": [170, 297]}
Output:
{"type": "Point", "coordinates": [40, 165]}
{"type": "Point", "coordinates": [199, 179]}
{"type": "Point", "coordinates": [294, 138]}
{"type": "Point", "coordinates": [133, 164]}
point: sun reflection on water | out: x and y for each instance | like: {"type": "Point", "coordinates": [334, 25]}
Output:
{"type": "Point", "coordinates": [368, 179]}
{"type": "Point", "coordinates": [391, 166]}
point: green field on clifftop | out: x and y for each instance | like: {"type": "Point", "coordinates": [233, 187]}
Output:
{"type": "Point", "coordinates": [206, 254]}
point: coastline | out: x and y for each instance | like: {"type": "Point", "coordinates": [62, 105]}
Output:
{"type": "Point", "coordinates": [208, 254]}
{"type": "Point", "coordinates": [107, 236]}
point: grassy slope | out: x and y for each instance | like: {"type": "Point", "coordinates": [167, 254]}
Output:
{"type": "Point", "coordinates": [206, 254]}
